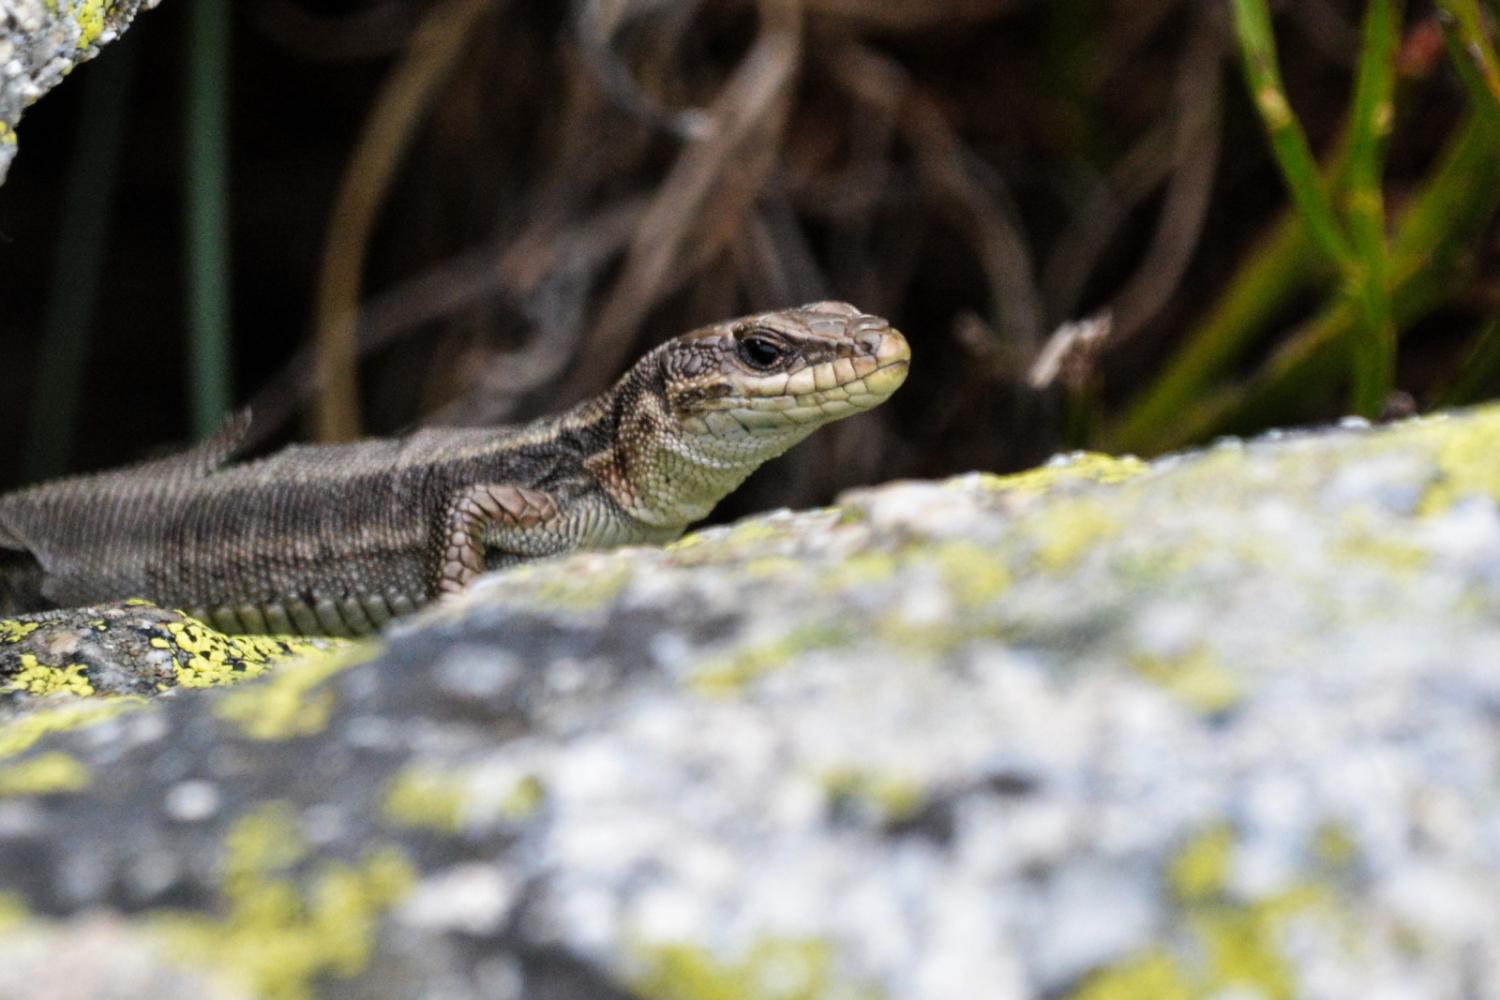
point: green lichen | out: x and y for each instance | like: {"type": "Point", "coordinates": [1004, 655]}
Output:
{"type": "Point", "coordinates": [771, 969]}
{"type": "Point", "coordinates": [39, 679]}
{"type": "Point", "coordinates": [279, 930]}
{"type": "Point", "coordinates": [732, 674]}
{"type": "Point", "coordinates": [293, 701]}
{"type": "Point", "coordinates": [22, 733]}
{"type": "Point", "coordinates": [1198, 679]}
{"type": "Point", "coordinates": [45, 774]}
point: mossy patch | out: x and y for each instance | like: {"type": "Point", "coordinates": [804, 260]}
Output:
{"type": "Point", "coordinates": [280, 929]}
{"type": "Point", "coordinates": [770, 970]}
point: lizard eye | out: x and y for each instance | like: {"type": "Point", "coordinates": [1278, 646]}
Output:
{"type": "Point", "coordinates": [760, 353]}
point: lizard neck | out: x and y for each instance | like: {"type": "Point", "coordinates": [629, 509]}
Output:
{"type": "Point", "coordinates": [661, 478]}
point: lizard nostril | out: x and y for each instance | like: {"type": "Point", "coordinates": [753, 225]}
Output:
{"type": "Point", "coordinates": [869, 341]}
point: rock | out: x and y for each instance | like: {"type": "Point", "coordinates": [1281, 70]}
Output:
{"type": "Point", "coordinates": [1221, 724]}
{"type": "Point", "coordinates": [41, 41]}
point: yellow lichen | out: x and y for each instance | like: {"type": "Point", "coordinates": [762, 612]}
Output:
{"type": "Point", "coordinates": [975, 575]}
{"type": "Point", "coordinates": [1201, 869]}
{"type": "Point", "coordinates": [13, 911]}
{"type": "Point", "coordinates": [1066, 531]}
{"type": "Point", "coordinates": [425, 799]}
{"type": "Point", "coordinates": [45, 774]}
{"type": "Point", "coordinates": [278, 934]}
{"type": "Point", "coordinates": [1197, 679]}
{"type": "Point", "coordinates": [1151, 976]}
{"type": "Point", "coordinates": [1084, 467]}
{"type": "Point", "coordinates": [291, 702]}
{"type": "Point", "coordinates": [38, 678]}
{"type": "Point", "coordinates": [13, 629]}
{"type": "Point", "coordinates": [893, 797]}
{"type": "Point", "coordinates": [1465, 460]}
{"type": "Point", "coordinates": [22, 733]}
{"type": "Point", "coordinates": [215, 658]}
{"type": "Point", "coordinates": [859, 569]}
{"type": "Point", "coordinates": [731, 674]}
{"type": "Point", "coordinates": [1231, 950]}
{"type": "Point", "coordinates": [771, 969]}
{"type": "Point", "coordinates": [89, 14]}
{"type": "Point", "coordinates": [1334, 847]}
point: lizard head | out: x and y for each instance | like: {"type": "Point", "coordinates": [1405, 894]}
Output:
{"type": "Point", "coordinates": [748, 389]}
{"type": "Point", "coordinates": [696, 416]}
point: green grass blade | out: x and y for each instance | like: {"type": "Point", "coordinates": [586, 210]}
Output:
{"type": "Point", "coordinates": [207, 209]}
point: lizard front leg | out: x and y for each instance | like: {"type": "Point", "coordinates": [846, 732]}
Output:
{"type": "Point", "coordinates": [515, 519]}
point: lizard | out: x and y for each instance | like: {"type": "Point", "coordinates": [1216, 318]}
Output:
{"type": "Point", "coordinates": [337, 539]}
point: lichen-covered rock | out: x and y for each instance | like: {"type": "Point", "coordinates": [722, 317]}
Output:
{"type": "Point", "coordinates": [40, 43]}
{"type": "Point", "coordinates": [1220, 725]}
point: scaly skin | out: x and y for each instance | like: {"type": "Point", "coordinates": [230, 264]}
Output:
{"type": "Point", "coordinates": [337, 539]}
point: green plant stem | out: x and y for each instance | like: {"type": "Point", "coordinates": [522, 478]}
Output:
{"type": "Point", "coordinates": [1480, 369]}
{"type": "Point", "coordinates": [1288, 142]}
{"type": "Point", "coordinates": [1469, 45]}
{"type": "Point", "coordinates": [78, 264]}
{"type": "Point", "coordinates": [1429, 256]}
{"type": "Point", "coordinates": [207, 209]}
{"type": "Point", "coordinates": [1374, 109]}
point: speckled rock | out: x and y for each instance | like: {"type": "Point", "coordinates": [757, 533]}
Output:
{"type": "Point", "coordinates": [1222, 725]}
{"type": "Point", "coordinates": [40, 43]}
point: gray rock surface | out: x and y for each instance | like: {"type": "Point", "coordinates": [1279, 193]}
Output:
{"type": "Point", "coordinates": [41, 41]}
{"type": "Point", "coordinates": [1224, 725]}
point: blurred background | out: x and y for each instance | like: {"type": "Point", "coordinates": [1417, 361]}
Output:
{"type": "Point", "coordinates": [1131, 225]}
